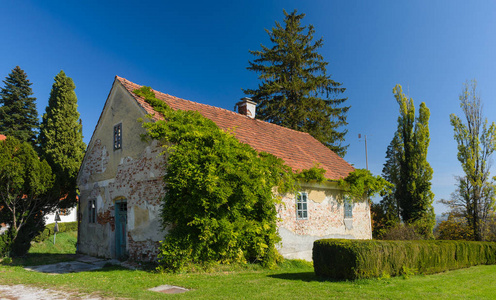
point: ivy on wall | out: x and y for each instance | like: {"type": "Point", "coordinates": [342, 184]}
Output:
{"type": "Point", "coordinates": [220, 202]}
{"type": "Point", "coordinates": [361, 184]}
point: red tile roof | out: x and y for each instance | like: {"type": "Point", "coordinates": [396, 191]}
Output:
{"type": "Point", "coordinates": [299, 150]}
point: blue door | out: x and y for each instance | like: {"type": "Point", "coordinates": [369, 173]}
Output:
{"type": "Point", "coordinates": [120, 229]}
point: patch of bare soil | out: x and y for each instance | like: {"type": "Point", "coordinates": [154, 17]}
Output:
{"type": "Point", "coordinates": [169, 289]}
{"type": "Point", "coordinates": [22, 292]}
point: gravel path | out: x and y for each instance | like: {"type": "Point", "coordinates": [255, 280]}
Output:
{"type": "Point", "coordinates": [82, 264]}
{"type": "Point", "coordinates": [22, 292]}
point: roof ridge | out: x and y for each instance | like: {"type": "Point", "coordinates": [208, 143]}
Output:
{"type": "Point", "coordinates": [208, 105]}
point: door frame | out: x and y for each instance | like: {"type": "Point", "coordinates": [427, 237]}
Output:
{"type": "Point", "coordinates": [120, 215]}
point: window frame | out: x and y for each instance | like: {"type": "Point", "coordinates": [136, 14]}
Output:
{"type": "Point", "coordinates": [302, 206]}
{"type": "Point", "coordinates": [92, 211]}
{"type": "Point", "coordinates": [118, 136]}
{"type": "Point", "coordinates": [348, 207]}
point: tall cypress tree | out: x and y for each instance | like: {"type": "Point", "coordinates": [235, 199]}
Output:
{"type": "Point", "coordinates": [61, 136]}
{"type": "Point", "coordinates": [18, 114]}
{"type": "Point", "coordinates": [295, 89]}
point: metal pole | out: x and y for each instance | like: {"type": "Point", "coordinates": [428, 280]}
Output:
{"type": "Point", "coordinates": [55, 228]}
{"type": "Point", "coordinates": [78, 216]}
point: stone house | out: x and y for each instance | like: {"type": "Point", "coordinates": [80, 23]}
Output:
{"type": "Point", "coordinates": [121, 187]}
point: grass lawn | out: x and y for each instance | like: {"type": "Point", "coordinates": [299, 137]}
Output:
{"type": "Point", "coordinates": [65, 242]}
{"type": "Point", "coordinates": [46, 252]}
{"type": "Point", "coordinates": [293, 280]}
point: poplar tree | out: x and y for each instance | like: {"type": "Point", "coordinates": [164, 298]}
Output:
{"type": "Point", "coordinates": [475, 194]}
{"type": "Point", "coordinates": [295, 89]}
{"type": "Point", "coordinates": [18, 114]}
{"type": "Point", "coordinates": [61, 137]}
{"type": "Point", "coordinates": [413, 187]}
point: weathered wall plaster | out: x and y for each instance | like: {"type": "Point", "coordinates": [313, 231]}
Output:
{"type": "Point", "coordinates": [134, 174]}
{"type": "Point", "coordinates": [325, 220]}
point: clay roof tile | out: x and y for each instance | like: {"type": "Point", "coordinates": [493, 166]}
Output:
{"type": "Point", "coordinates": [299, 150]}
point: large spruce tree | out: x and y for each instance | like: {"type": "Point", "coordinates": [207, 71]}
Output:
{"type": "Point", "coordinates": [295, 89]}
{"type": "Point", "coordinates": [390, 172]}
{"type": "Point", "coordinates": [18, 114]}
{"type": "Point", "coordinates": [61, 136]}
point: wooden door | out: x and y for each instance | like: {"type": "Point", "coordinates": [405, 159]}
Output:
{"type": "Point", "coordinates": [120, 229]}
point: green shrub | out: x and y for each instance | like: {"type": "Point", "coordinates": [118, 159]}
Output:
{"type": "Point", "coordinates": [401, 232]}
{"type": "Point", "coordinates": [6, 260]}
{"type": "Point", "coordinates": [49, 230]}
{"type": "Point", "coordinates": [5, 244]}
{"type": "Point", "coordinates": [64, 227]}
{"type": "Point", "coordinates": [43, 235]}
{"type": "Point", "coordinates": [354, 259]}
{"type": "Point", "coordinates": [455, 228]}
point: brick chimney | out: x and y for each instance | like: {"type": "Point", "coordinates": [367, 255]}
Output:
{"type": "Point", "coordinates": [247, 107]}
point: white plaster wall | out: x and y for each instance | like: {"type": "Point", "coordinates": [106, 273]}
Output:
{"type": "Point", "coordinates": [72, 217]}
{"type": "Point", "coordinates": [295, 246]}
{"type": "Point", "coordinates": [325, 220]}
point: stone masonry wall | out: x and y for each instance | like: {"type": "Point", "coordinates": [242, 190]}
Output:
{"type": "Point", "coordinates": [139, 182]}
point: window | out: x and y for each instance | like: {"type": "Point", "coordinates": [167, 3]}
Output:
{"type": "Point", "coordinates": [118, 136]}
{"type": "Point", "coordinates": [92, 211]}
{"type": "Point", "coordinates": [348, 208]}
{"type": "Point", "coordinates": [301, 206]}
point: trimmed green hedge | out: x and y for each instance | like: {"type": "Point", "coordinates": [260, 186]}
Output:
{"type": "Point", "coordinates": [49, 230]}
{"type": "Point", "coordinates": [353, 259]}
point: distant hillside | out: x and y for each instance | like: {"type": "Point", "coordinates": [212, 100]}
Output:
{"type": "Point", "coordinates": [440, 218]}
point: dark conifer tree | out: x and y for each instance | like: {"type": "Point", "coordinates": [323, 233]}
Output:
{"type": "Point", "coordinates": [391, 172]}
{"type": "Point", "coordinates": [295, 89]}
{"type": "Point", "coordinates": [61, 136]}
{"type": "Point", "coordinates": [18, 114]}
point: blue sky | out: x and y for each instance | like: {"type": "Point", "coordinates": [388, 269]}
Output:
{"type": "Point", "coordinates": [198, 50]}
